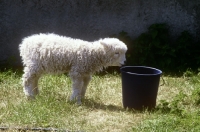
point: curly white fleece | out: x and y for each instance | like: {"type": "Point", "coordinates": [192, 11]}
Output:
{"type": "Point", "coordinates": [51, 53]}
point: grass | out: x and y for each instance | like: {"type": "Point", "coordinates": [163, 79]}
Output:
{"type": "Point", "coordinates": [177, 105]}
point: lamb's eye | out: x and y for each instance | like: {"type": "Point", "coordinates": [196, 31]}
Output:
{"type": "Point", "coordinates": [116, 54]}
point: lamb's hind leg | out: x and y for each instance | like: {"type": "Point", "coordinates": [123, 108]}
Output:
{"type": "Point", "coordinates": [30, 83]}
{"type": "Point", "coordinates": [77, 84]}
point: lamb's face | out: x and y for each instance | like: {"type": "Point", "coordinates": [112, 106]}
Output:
{"type": "Point", "coordinates": [115, 50]}
{"type": "Point", "coordinates": [119, 58]}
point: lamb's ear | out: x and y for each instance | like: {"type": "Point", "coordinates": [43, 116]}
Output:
{"type": "Point", "coordinates": [105, 45]}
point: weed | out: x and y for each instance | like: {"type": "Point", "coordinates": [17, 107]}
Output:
{"type": "Point", "coordinates": [196, 96]}
{"type": "Point", "coordinates": [157, 48]}
{"type": "Point", "coordinates": [174, 107]}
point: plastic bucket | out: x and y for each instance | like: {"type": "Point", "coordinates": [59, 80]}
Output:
{"type": "Point", "coordinates": [140, 86]}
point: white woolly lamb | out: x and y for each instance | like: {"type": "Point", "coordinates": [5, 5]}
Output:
{"type": "Point", "coordinates": [51, 53]}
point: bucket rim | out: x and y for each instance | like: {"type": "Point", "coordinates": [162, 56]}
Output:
{"type": "Point", "coordinates": [147, 67]}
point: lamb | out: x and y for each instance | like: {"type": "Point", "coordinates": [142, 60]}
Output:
{"type": "Point", "coordinates": [50, 53]}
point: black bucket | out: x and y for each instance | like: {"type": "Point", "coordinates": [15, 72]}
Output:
{"type": "Point", "coordinates": [140, 87]}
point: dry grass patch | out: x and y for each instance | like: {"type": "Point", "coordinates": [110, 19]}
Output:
{"type": "Point", "coordinates": [102, 109]}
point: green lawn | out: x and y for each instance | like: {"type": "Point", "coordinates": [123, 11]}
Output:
{"type": "Point", "coordinates": [177, 109]}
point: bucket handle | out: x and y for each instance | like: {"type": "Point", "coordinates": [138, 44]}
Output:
{"type": "Point", "coordinates": [162, 81]}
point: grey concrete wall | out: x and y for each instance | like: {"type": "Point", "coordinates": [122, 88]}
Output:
{"type": "Point", "coordinates": [90, 19]}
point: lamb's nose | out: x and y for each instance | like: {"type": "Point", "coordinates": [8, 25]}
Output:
{"type": "Point", "coordinates": [122, 64]}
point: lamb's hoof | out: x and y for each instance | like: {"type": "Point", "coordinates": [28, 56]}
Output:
{"type": "Point", "coordinates": [76, 101]}
{"type": "Point", "coordinates": [30, 97]}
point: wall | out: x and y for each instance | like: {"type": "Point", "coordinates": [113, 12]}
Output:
{"type": "Point", "coordinates": [90, 19]}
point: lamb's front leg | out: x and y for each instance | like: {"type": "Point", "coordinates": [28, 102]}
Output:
{"type": "Point", "coordinates": [77, 84]}
{"type": "Point", "coordinates": [85, 84]}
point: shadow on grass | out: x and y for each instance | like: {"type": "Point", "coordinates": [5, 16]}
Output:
{"type": "Point", "coordinates": [97, 105]}
{"type": "Point", "coordinates": [90, 103]}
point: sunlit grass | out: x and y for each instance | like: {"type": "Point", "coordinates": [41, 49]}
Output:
{"type": "Point", "coordinates": [102, 110]}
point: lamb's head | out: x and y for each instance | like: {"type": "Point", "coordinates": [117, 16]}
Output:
{"type": "Point", "coordinates": [115, 51]}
